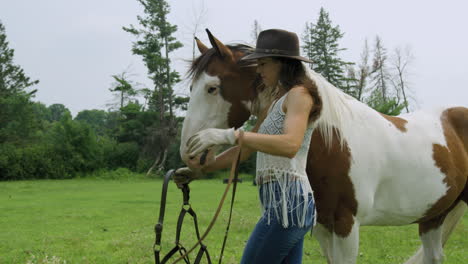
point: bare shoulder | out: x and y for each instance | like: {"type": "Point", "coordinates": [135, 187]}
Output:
{"type": "Point", "coordinates": [298, 96]}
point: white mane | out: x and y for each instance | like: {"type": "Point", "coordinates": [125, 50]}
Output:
{"type": "Point", "coordinates": [336, 114]}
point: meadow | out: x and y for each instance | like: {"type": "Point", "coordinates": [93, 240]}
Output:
{"type": "Point", "coordinates": [94, 220]}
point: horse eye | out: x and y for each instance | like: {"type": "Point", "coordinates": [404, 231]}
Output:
{"type": "Point", "coordinates": [191, 88]}
{"type": "Point", "coordinates": [212, 89]}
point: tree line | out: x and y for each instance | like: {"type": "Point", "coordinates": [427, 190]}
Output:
{"type": "Point", "coordinates": [46, 142]}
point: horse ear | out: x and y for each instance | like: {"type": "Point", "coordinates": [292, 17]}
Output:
{"type": "Point", "coordinates": [201, 47]}
{"type": "Point", "coordinates": [221, 49]}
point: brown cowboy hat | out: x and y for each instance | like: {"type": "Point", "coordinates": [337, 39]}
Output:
{"type": "Point", "coordinates": [277, 43]}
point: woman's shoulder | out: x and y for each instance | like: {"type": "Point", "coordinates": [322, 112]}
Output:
{"type": "Point", "coordinates": [299, 89]}
{"type": "Point", "coordinates": [297, 95]}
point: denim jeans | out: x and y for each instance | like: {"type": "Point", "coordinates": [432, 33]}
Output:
{"type": "Point", "coordinates": [271, 243]}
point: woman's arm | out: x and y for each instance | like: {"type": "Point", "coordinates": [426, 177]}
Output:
{"type": "Point", "coordinates": [224, 160]}
{"type": "Point", "coordinates": [298, 104]}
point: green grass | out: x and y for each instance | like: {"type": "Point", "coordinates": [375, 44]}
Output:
{"type": "Point", "coordinates": [111, 221]}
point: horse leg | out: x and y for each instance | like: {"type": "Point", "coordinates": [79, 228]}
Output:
{"type": "Point", "coordinates": [431, 242]}
{"type": "Point", "coordinates": [324, 238]}
{"type": "Point", "coordinates": [435, 233]}
{"type": "Point", "coordinates": [344, 248]}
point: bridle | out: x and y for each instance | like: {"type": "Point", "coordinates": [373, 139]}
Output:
{"type": "Point", "coordinates": [187, 208]}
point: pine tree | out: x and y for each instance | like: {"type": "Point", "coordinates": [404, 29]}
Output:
{"type": "Point", "coordinates": [18, 121]}
{"type": "Point", "coordinates": [155, 43]}
{"type": "Point", "coordinates": [12, 77]}
{"type": "Point", "coordinates": [321, 46]}
{"type": "Point", "coordinates": [124, 87]}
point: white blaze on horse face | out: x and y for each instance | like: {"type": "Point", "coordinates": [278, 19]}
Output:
{"type": "Point", "coordinates": [206, 109]}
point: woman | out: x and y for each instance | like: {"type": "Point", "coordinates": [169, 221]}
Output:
{"type": "Point", "coordinates": [281, 137]}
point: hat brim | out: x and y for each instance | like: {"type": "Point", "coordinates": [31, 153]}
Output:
{"type": "Point", "coordinates": [254, 56]}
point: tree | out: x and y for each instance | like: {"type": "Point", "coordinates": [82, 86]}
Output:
{"type": "Point", "coordinates": [362, 73]}
{"type": "Point", "coordinates": [96, 119]}
{"type": "Point", "coordinates": [18, 121]}
{"type": "Point", "coordinates": [256, 29]}
{"type": "Point", "coordinates": [198, 21]}
{"type": "Point", "coordinates": [321, 46]}
{"type": "Point", "coordinates": [155, 43]}
{"type": "Point", "coordinates": [382, 97]}
{"type": "Point", "coordinates": [75, 145]}
{"type": "Point", "coordinates": [400, 61]}
{"type": "Point", "coordinates": [13, 80]}
{"type": "Point", "coordinates": [57, 111]}
{"type": "Point", "coordinates": [380, 74]}
{"type": "Point", "coordinates": [124, 87]}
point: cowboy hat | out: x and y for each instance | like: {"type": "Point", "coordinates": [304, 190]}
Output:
{"type": "Point", "coordinates": [277, 43]}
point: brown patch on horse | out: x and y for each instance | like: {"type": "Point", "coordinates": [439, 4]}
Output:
{"type": "Point", "coordinates": [398, 122]}
{"type": "Point", "coordinates": [328, 172]}
{"type": "Point", "coordinates": [234, 89]}
{"type": "Point", "coordinates": [453, 162]}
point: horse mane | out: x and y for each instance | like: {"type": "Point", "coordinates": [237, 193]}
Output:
{"type": "Point", "coordinates": [200, 64]}
{"type": "Point", "coordinates": [336, 116]}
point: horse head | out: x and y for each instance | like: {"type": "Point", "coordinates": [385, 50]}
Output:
{"type": "Point", "coordinates": [221, 92]}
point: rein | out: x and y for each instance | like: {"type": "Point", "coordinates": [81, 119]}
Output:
{"type": "Point", "coordinates": [186, 208]}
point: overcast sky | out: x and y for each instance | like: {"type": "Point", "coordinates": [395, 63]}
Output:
{"type": "Point", "coordinates": [73, 47]}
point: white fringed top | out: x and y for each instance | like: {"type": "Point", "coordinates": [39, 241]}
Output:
{"type": "Point", "coordinates": [289, 173]}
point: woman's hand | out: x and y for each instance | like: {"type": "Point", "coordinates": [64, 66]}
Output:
{"type": "Point", "coordinates": [185, 175]}
{"type": "Point", "coordinates": [208, 138]}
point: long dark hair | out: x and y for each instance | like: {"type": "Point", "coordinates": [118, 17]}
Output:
{"type": "Point", "coordinates": [292, 73]}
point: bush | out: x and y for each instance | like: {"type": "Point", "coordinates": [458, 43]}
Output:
{"type": "Point", "coordinates": [32, 162]}
{"type": "Point", "coordinates": [123, 155]}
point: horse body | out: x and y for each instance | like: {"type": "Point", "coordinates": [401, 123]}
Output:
{"type": "Point", "coordinates": [365, 168]}
{"type": "Point", "coordinates": [392, 184]}
{"type": "Point", "coordinates": [391, 171]}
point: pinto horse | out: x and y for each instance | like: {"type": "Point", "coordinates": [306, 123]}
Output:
{"type": "Point", "coordinates": [365, 168]}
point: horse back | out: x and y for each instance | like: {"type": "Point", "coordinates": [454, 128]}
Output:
{"type": "Point", "coordinates": [339, 194]}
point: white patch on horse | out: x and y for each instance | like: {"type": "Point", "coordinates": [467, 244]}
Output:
{"type": "Point", "coordinates": [205, 110]}
{"type": "Point", "coordinates": [395, 185]}
{"type": "Point", "coordinates": [247, 105]}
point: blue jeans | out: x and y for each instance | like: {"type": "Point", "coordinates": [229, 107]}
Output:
{"type": "Point", "coordinates": [271, 243]}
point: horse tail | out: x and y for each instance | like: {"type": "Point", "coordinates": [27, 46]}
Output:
{"type": "Point", "coordinates": [450, 222]}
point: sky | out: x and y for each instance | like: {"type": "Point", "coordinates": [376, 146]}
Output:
{"type": "Point", "coordinates": [74, 47]}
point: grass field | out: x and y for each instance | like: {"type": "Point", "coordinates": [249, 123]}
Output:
{"type": "Point", "coordinates": [111, 221]}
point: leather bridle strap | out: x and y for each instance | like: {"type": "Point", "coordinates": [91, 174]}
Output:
{"type": "Point", "coordinates": [188, 209]}
{"type": "Point", "coordinates": [234, 188]}
{"type": "Point", "coordinates": [234, 174]}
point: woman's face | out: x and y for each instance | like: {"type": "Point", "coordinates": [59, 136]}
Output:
{"type": "Point", "coordinates": [269, 70]}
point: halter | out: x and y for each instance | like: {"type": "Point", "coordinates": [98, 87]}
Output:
{"type": "Point", "coordinates": [186, 208]}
